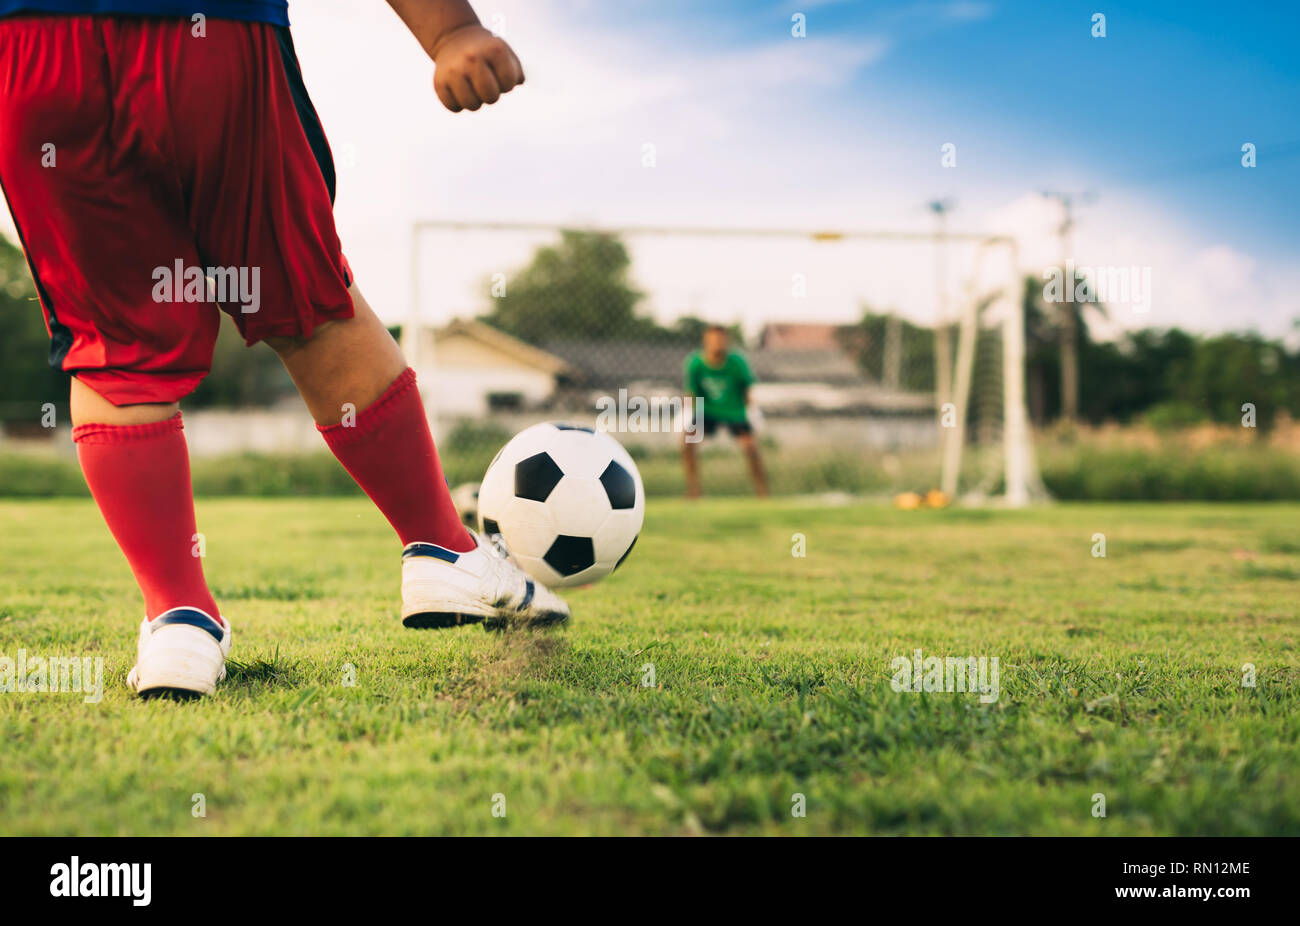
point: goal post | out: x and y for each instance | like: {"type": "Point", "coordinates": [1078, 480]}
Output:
{"type": "Point", "coordinates": [1015, 469]}
{"type": "Point", "coordinates": [862, 410]}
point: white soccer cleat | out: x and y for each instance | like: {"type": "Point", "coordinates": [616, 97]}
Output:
{"type": "Point", "coordinates": [441, 588]}
{"type": "Point", "coordinates": [182, 652]}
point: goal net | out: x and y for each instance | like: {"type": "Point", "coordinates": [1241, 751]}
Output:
{"type": "Point", "coordinates": [988, 452]}
{"type": "Point", "coordinates": [856, 340]}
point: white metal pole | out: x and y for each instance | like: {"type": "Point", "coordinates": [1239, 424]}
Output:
{"type": "Point", "coordinates": [410, 342]}
{"type": "Point", "coordinates": [413, 338]}
{"type": "Point", "coordinates": [955, 444]}
{"type": "Point", "coordinates": [1015, 428]}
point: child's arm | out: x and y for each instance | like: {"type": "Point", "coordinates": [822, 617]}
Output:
{"type": "Point", "coordinates": [471, 65]}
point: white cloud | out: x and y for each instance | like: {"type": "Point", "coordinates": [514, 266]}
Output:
{"type": "Point", "coordinates": [1197, 282]}
{"type": "Point", "coordinates": [773, 134]}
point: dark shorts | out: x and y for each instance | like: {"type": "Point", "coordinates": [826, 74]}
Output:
{"type": "Point", "coordinates": [138, 160]}
{"type": "Point", "coordinates": [737, 428]}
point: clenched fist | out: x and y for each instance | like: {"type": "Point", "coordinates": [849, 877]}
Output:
{"type": "Point", "coordinates": [472, 67]}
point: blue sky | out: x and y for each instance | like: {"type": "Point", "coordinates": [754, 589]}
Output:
{"type": "Point", "coordinates": [842, 129]}
{"type": "Point", "coordinates": [1161, 105]}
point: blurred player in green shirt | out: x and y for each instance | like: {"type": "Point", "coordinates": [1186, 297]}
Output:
{"type": "Point", "coordinates": [721, 377]}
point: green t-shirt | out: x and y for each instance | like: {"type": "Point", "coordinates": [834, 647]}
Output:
{"type": "Point", "coordinates": [724, 388]}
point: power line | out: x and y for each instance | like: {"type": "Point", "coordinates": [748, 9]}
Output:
{"type": "Point", "coordinates": [813, 234]}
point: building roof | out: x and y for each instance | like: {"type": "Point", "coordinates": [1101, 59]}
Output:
{"type": "Point", "coordinates": [809, 380]}
{"type": "Point", "coordinates": [512, 347]}
{"type": "Point", "coordinates": [610, 364]}
{"type": "Point", "coordinates": [801, 336]}
{"type": "Point", "coordinates": [817, 365]}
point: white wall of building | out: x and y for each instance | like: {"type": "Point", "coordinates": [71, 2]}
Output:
{"type": "Point", "coordinates": [212, 432]}
{"type": "Point", "coordinates": [453, 391]}
{"type": "Point", "coordinates": [458, 372]}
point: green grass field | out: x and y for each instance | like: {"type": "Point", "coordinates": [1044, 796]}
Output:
{"type": "Point", "coordinates": [1120, 676]}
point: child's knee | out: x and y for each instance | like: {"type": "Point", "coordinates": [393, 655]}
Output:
{"type": "Point", "coordinates": [283, 344]}
{"type": "Point", "coordinates": [286, 344]}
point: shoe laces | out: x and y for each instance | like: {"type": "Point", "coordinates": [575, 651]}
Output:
{"type": "Point", "coordinates": [504, 576]}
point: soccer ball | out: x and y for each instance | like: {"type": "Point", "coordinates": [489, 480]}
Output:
{"type": "Point", "coordinates": [465, 498]}
{"type": "Point", "coordinates": [565, 502]}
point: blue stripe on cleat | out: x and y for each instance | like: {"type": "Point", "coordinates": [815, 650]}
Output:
{"type": "Point", "coordinates": [430, 549]}
{"type": "Point", "coordinates": [190, 616]}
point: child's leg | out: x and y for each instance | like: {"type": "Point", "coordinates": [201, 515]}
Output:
{"type": "Point", "coordinates": [692, 469]}
{"type": "Point", "coordinates": [343, 364]}
{"type": "Point", "coordinates": [135, 461]}
{"type": "Point", "coordinates": [749, 446]}
{"type": "Point", "coordinates": [355, 381]}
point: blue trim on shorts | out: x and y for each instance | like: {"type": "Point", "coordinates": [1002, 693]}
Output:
{"type": "Point", "coordinates": [275, 12]}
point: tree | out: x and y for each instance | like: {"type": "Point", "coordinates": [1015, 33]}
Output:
{"type": "Point", "coordinates": [1053, 336]}
{"type": "Point", "coordinates": [576, 289]}
{"type": "Point", "coordinates": [690, 330]}
{"type": "Point", "coordinates": [241, 376]}
{"type": "Point", "coordinates": [866, 341]}
{"type": "Point", "coordinates": [27, 381]}
{"type": "Point", "coordinates": [1229, 370]}
{"type": "Point", "coordinates": [1122, 379]}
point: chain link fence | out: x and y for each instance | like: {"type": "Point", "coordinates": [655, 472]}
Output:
{"type": "Point", "coordinates": [852, 337]}
{"type": "Point", "coordinates": [514, 324]}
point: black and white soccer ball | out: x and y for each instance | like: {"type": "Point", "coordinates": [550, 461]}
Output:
{"type": "Point", "coordinates": [465, 498]}
{"type": "Point", "coordinates": [566, 503]}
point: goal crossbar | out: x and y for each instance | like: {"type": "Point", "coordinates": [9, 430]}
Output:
{"type": "Point", "coordinates": [1021, 481]}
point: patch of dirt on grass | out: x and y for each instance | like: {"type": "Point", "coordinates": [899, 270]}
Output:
{"type": "Point", "coordinates": [513, 655]}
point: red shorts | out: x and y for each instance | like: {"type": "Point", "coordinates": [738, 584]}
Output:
{"type": "Point", "coordinates": [139, 159]}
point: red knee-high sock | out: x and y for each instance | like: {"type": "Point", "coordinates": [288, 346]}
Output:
{"type": "Point", "coordinates": [389, 452]}
{"type": "Point", "coordinates": [140, 478]}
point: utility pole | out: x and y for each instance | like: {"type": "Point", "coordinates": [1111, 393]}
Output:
{"type": "Point", "coordinates": [892, 362]}
{"type": "Point", "coordinates": [942, 334]}
{"type": "Point", "coordinates": [1067, 315]}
